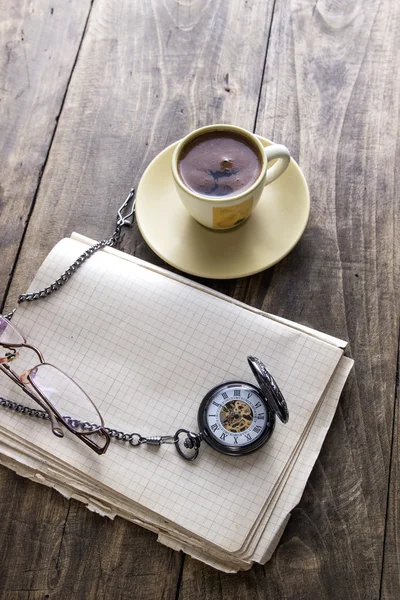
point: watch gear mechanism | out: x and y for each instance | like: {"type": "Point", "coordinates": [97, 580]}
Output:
{"type": "Point", "coordinates": [236, 416]}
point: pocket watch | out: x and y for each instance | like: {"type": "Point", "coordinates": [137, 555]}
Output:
{"type": "Point", "coordinates": [236, 417]}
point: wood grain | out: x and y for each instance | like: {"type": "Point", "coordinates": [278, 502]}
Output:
{"type": "Point", "coordinates": [331, 96]}
{"type": "Point", "coordinates": [39, 42]}
{"type": "Point", "coordinates": [390, 585]}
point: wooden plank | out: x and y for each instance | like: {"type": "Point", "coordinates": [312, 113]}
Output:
{"type": "Point", "coordinates": [147, 74]}
{"type": "Point", "coordinates": [331, 94]}
{"type": "Point", "coordinates": [55, 548]}
{"type": "Point", "coordinates": [31, 526]}
{"type": "Point", "coordinates": [390, 586]}
{"type": "Point", "coordinates": [40, 41]}
{"type": "Point", "coordinates": [348, 111]}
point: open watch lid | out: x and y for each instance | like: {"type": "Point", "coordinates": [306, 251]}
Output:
{"type": "Point", "coordinates": [269, 388]}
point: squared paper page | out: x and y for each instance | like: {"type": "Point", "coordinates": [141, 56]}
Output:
{"type": "Point", "coordinates": [315, 333]}
{"type": "Point", "coordinates": [334, 341]}
{"type": "Point", "coordinates": [147, 349]}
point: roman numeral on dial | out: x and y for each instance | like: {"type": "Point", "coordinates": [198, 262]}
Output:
{"type": "Point", "coordinates": [214, 426]}
{"type": "Point", "coordinates": [236, 393]}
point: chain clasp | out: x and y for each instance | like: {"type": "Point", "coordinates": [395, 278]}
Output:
{"type": "Point", "coordinates": [127, 219]}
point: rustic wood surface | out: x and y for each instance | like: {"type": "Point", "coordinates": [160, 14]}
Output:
{"type": "Point", "coordinates": [129, 78]}
{"type": "Point", "coordinates": [39, 43]}
{"type": "Point", "coordinates": [391, 556]}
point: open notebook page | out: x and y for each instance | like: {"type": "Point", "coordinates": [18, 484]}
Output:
{"type": "Point", "coordinates": [334, 341]}
{"type": "Point", "coordinates": [293, 478]}
{"type": "Point", "coordinates": [147, 348]}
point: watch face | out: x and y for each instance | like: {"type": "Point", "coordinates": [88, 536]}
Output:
{"type": "Point", "coordinates": [235, 419]}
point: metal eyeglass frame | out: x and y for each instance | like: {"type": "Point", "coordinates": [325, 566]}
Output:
{"type": "Point", "coordinates": [54, 416]}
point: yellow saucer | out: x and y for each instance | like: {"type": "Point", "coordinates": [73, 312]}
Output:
{"type": "Point", "coordinates": [269, 234]}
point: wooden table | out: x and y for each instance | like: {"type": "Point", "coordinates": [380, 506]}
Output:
{"type": "Point", "coordinates": [90, 92]}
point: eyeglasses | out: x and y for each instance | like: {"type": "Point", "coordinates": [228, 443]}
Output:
{"type": "Point", "coordinates": [63, 399]}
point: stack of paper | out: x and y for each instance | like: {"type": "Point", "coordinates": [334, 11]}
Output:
{"type": "Point", "coordinates": [147, 345]}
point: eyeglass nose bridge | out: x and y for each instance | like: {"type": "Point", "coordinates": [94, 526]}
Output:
{"type": "Point", "coordinates": [39, 354]}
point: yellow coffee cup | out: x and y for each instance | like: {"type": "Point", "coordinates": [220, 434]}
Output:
{"type": "Point", "coordinates": [225, 212]}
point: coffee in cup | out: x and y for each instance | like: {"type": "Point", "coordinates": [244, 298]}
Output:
{"type": "Point", "coordinates": [219, 164]}
{"type": "Point", "coordinates": [220, 172]}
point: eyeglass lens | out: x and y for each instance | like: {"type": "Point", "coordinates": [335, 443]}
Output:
{"type": "Point", "coordinates": [9, 334]}
{"type": "Point", "coordinates": [65, 395]}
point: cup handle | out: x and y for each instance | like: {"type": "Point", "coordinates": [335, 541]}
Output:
{"type": "Point", "coordinates": [283, 155]}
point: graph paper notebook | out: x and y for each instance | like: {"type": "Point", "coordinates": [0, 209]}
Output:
{"type": "Point", "coordinates": [146, 346]}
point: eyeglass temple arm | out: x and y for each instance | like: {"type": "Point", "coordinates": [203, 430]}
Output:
{"type": "Point", "coordinates": [25, 345]}
{"type": "Point", "coordinates": [12, 375]}
{"type": "Point", "coordinates": [98, 449]}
